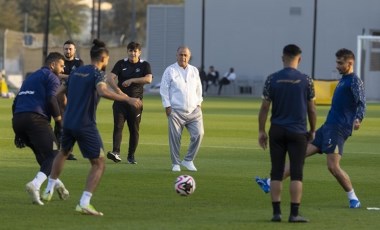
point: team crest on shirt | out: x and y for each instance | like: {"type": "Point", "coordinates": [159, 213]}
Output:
{"type": "Point", "coordinates": [340, 84]}
{"type": "Point", "coordinates": [138, 70]}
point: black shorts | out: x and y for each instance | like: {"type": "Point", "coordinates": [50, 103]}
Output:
{"type": "Point", "coordinates": [281, 141]}
{"type": "Point", "coordinates": [35, 130]}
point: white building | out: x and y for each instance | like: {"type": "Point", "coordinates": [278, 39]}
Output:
{"type": "Point", "coordinates": [249, 35]}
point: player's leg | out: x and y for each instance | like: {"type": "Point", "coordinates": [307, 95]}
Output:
{"type": "Point", "coordinates": [58, 164]}
{"type": "Point", "coordinates": [333, 165]}
{"type": "Point", "coordinates": [45, 147]}
{"type": "Point", "coordinates": [118, 125]}
{"type": "Point", "coordinates": [133, 120]}
{"type": "Point", "coordinates": [311, 150]}
{"type": "Point", "coordinates": [297, 145]}
{"type": "Point", "coordinates": [91, 146]}
{"type": "Point", "coordinates": [277, 147]}
{"type": "Point", "coordinates": [195, 127]}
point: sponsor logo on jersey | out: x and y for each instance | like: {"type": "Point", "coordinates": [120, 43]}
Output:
{"type": "Point", "coordinates": [26, 92]}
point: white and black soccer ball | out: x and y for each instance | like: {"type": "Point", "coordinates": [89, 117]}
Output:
{"type": "Point", "coordinates": [184, 185]}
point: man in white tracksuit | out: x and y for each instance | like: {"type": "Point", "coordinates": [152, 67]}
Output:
{"type": "Point", "coordinates": [181, 93]}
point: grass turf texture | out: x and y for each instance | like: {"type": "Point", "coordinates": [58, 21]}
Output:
{"type": "Point", "coordinates": [142, 196]}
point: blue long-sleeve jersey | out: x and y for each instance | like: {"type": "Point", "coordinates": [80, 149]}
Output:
{"type": "Point", "coordinates": [348, 103]}
{"type": "Point", "coordinates": [36, 91]}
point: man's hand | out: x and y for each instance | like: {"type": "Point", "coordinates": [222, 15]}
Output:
{"type": "Point", "coordinates": [263, 139]}
{"type": "Point", "coordinates": [136, 102]}
{"type": "Point", "coordinates": [127, 83]}
{"type": "Point", "coordinates": [19, 142]}
{"type": "Point", "coordinates": [168, 111]}
{"type": "Point", "coordinates": [310, 136]}
{"type": "Point", "coordinates": [357, 124]}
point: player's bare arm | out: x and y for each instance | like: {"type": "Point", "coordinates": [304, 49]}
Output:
{"type": "Point", "coordinates": [147, 79]}
{"type": "Point", "coordinates": [263, 114]}
{"type": "Point", "coordinates": [111, 80]}
{"type": "Point", "coordinates": [104, 92]}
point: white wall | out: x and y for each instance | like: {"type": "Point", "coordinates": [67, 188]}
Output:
{"type": "Point", "coordinates": [250, 34]}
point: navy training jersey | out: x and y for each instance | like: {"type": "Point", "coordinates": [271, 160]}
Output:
{"type": "Point", "coordinates": [35, 92]}
{"type": "Point", "coordinates": [125, 70]}
{"type": "Point", "coordinates": [82, 97]}
{"type": "Point", "coordinates": [348, 103]}
{"type": "Point", "coordinates": [289, 90]}
{"type": "Point", "coordinates": [71, 65]}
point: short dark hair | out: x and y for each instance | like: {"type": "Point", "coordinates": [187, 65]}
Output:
{"type": "Point", "coordinates": [69, 42]}
{"type": "Point", "coordinates": [346, 54]}
{"type": "Point", "coordinates": [291, 50]}
{"type": "Point", "coordinates": [134, 46]}
{"type": "Point", "coordinates": [53, 57]}
{"type": "Point", "coordinates": [98, 49]}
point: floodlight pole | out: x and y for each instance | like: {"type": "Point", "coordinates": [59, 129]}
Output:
{"type": "Point", "coordinates": [46, 34]}
{"type": "Point", "coordinates": [314, 39]}
{"type": "Point", "coordinates": [93, 20]}
{"type": "Point", "coordinates": [133, 21]}
{"type": "Point", "coordinates": [203, 37]}
{"type": "Point", "coordinates": [99, 13]}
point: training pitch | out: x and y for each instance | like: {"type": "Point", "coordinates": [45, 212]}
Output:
{"type": "Point", "coordinates": [142, 196]}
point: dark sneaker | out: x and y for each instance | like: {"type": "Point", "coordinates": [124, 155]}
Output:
{"type": "Point", "coordinates": [71, 157]}
{"type": "Point", "coordinates": [113, 156]}
{"type": "Point", "coordinates": [132, 161]}
{"type": "Point", "coordinates": [297, 219]}
{"type": "Point", "coordinates": [276, 218]}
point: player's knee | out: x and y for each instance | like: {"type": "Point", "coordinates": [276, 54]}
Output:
{"type": "Point", "coordinates": [277, 175]}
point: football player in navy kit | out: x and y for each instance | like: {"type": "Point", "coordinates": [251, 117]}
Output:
{"type": "Point", "coordinates": [71, 63]}
{"type": "Point", "coordinates": [346, 114]}
{"type": "Point", "coordinates": [131, 75]}
{"type": "Point", "coordinates": [84, 88]}
{"type": "Point", "coordinates": [33, 108]}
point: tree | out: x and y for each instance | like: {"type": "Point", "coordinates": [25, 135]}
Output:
{"type": "Point", "coordinates": [11, 18]}
{"type": "Point", "coordinates": [64, 15]}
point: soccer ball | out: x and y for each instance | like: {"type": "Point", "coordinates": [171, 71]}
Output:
{"type": "Point", "coordinates": [184, 185]}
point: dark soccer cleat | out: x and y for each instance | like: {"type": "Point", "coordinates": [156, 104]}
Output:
{"type": "Point", "coordinates": [132, 161]}
{"type": "Point", "coordinates": [114, 156]}
{"type": "Point", "coordinates": [276, 218]}
{"type": "Point", "coordinates": [297, 219]}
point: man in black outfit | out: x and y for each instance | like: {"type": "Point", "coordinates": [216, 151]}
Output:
{"type": "Point", "coordinates": [291, 94]}
{"type": "Point", "coordinates": [131, 74]}
{"type": "Point", "coordinates": [71, 63]}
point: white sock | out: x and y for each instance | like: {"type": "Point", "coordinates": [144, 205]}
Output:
{"type": "Point", "coordinates": [351, 195]}
{"type": "Point", "coordinates": [268, 181]}
{"type": "Point", "coordinates": [58, 183]}
{"type": "Point", "coordinates": [50, 186]}
{"type": "Point", "coordinates": [39, 179]}
{"type": "Point", "coordinates": [85, 199]}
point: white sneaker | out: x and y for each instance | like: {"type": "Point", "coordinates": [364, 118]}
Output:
{"type": "Point", "coordinates": [63, 193]}
{"type": "Point", "coordinates": [189, 165]}
{"type": "Point", "coordinates": [88, 210]}
{"type": "Point", "coordinates": [176, 168]}
{"type": "Point", "coordinates": [34, 193]}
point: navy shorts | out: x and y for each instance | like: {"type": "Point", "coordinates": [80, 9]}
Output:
{"type": "Point", "coordinates": [89, 141]}
{"type": "Point", "coordinates": [329, 139]}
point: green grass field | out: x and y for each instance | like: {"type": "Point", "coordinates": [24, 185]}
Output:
{"type": "Point", "coordinates": [142, 196]}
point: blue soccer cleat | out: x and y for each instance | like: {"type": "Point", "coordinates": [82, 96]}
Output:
{"type": "Point", "coordinates": [355, 204]}
{"type": "Point", "coordinates": [263, 183]}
